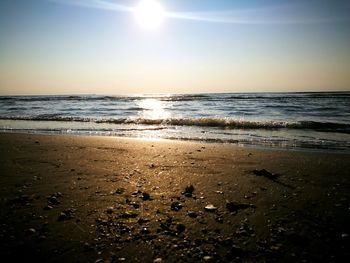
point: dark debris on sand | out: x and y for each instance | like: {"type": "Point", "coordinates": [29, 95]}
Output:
{"type": "Point", "coordinates": [266, 174]}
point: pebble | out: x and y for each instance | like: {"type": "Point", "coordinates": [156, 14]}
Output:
{"type": "Point", "coordinates": [31, 231]}
{"type": "Point", "coordinates": [48, 207]}
{"type": "Point", "coordinates": [129, 214]}
{"type": "Point", "coordinates": [65, 215]}
{"type": "Point", "coordinates": [146, 196]}
{"type": "Point", "coordinates": [157, 260]}
{"type": "Point", "coordinates": [180, 228]}
{"type": "Point", "coordinates": [176, 206]}
{"type": "Point", "coordinates": [188, 191]}
{"type": "Point", "coordinates": [120, 191]}
{"type": "Point", "coordinates": [276, 247]}
{"type": "Point", "coordinates": [192, 214]}
{"type": "Point", "coordinates": [135, 205]}
{"type": "Point", "coordinates": [110, 210]}
{"type": "Point", "coordinates": [53, 201]}
{"type": "Point", "coordinates": [207, 258]}
{"type": "Point", "coordinates": [145, 231]}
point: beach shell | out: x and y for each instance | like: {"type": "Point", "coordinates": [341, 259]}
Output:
{"type": "Point", "coordinates": [210, 207]}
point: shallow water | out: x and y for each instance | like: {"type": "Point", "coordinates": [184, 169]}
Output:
{"type": "Point", "coordinates": [319, 121]}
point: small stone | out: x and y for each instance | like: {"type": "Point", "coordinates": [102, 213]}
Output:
{"type": "Point", "coordinates": [120, 191]}
{"type": "Point", "coordinates": [48, 207]}
{"type": "Point", "coordinates": [135, 205]}
{"type": "Point", "coordinates": [188, 191]}
{"type": "Point", "coordinates": [180, 228]}
{"type": "Point", "coordinates": [176, 206]}
{"type": "Point", "coordinates": [53, 201]}
{"type": "Point", "coordinates": [31, 231]}
{"type": "Point", "coordinates": [276, 247]}
{"type": "Point", "coordinates": [157, 260]}
{"type": "Point", "coordinates": [128, 214]}
{"type": "Point", "coordinates": [145, 231]}
{"type": "Point", "coordinates": [192, 214]}
{"type": "Point", "coordinates": [62, 216]}
{"type": "Point", "coordinates": [207, 258]}
{"type": "Point", "coordinates": [146, 196]}
{"type": "Point", "coordinates": [65, 215]}
{"type": "Point", "coordinates": [110, 210]}
{"type": "Point", "coordinates": [210, 208]}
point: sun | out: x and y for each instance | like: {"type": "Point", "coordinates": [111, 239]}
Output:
{"type": "Point", "coordinates": [149, 14]}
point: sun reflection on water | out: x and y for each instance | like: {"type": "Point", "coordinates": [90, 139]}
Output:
{"type": "Point", "coordinates": [153, 109]}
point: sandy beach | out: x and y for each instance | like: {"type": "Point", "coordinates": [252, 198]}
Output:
{"type": "Point", "coordinates": [106, 199]}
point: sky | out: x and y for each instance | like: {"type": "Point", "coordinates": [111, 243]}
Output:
{"type": "Point", "coordinates": [99, 47]}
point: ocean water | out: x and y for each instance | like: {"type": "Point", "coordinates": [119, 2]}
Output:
{"type": "Point", "coordinates": [318, 121]}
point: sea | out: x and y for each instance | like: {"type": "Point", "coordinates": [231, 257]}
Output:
{"type": "Point", "coordinates": [296, 121]}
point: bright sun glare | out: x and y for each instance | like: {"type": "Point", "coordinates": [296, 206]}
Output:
{"type": "Point", "coordinates": [153, 109]}
{"type": "Point", "coordinates": [149, 14]}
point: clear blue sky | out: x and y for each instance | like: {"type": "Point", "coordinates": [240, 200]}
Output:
{"type": "Point", "coordinates": [58, 47]}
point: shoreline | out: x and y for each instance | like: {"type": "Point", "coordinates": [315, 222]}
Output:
{"type": "Point", "coordinates": [217, 142]}
{"type": "Point", "coordinates": [99, 198]}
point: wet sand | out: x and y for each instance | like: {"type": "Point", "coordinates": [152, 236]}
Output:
{"type": "Point", "coordinates": [104, 199]}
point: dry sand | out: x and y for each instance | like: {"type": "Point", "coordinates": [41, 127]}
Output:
{"type": "Point", "coordinates": [97, 199]}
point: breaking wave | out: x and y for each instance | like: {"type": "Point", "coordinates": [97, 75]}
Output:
{"type": "Point", "coordinates": [228, 123]}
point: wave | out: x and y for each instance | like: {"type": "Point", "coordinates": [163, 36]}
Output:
{"type": "Point", "coordinates": [225, 123]}
{"type": "Point", "coordinates": [177, 97]}
{"type": "Point", "coordinates": [186, 97]}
